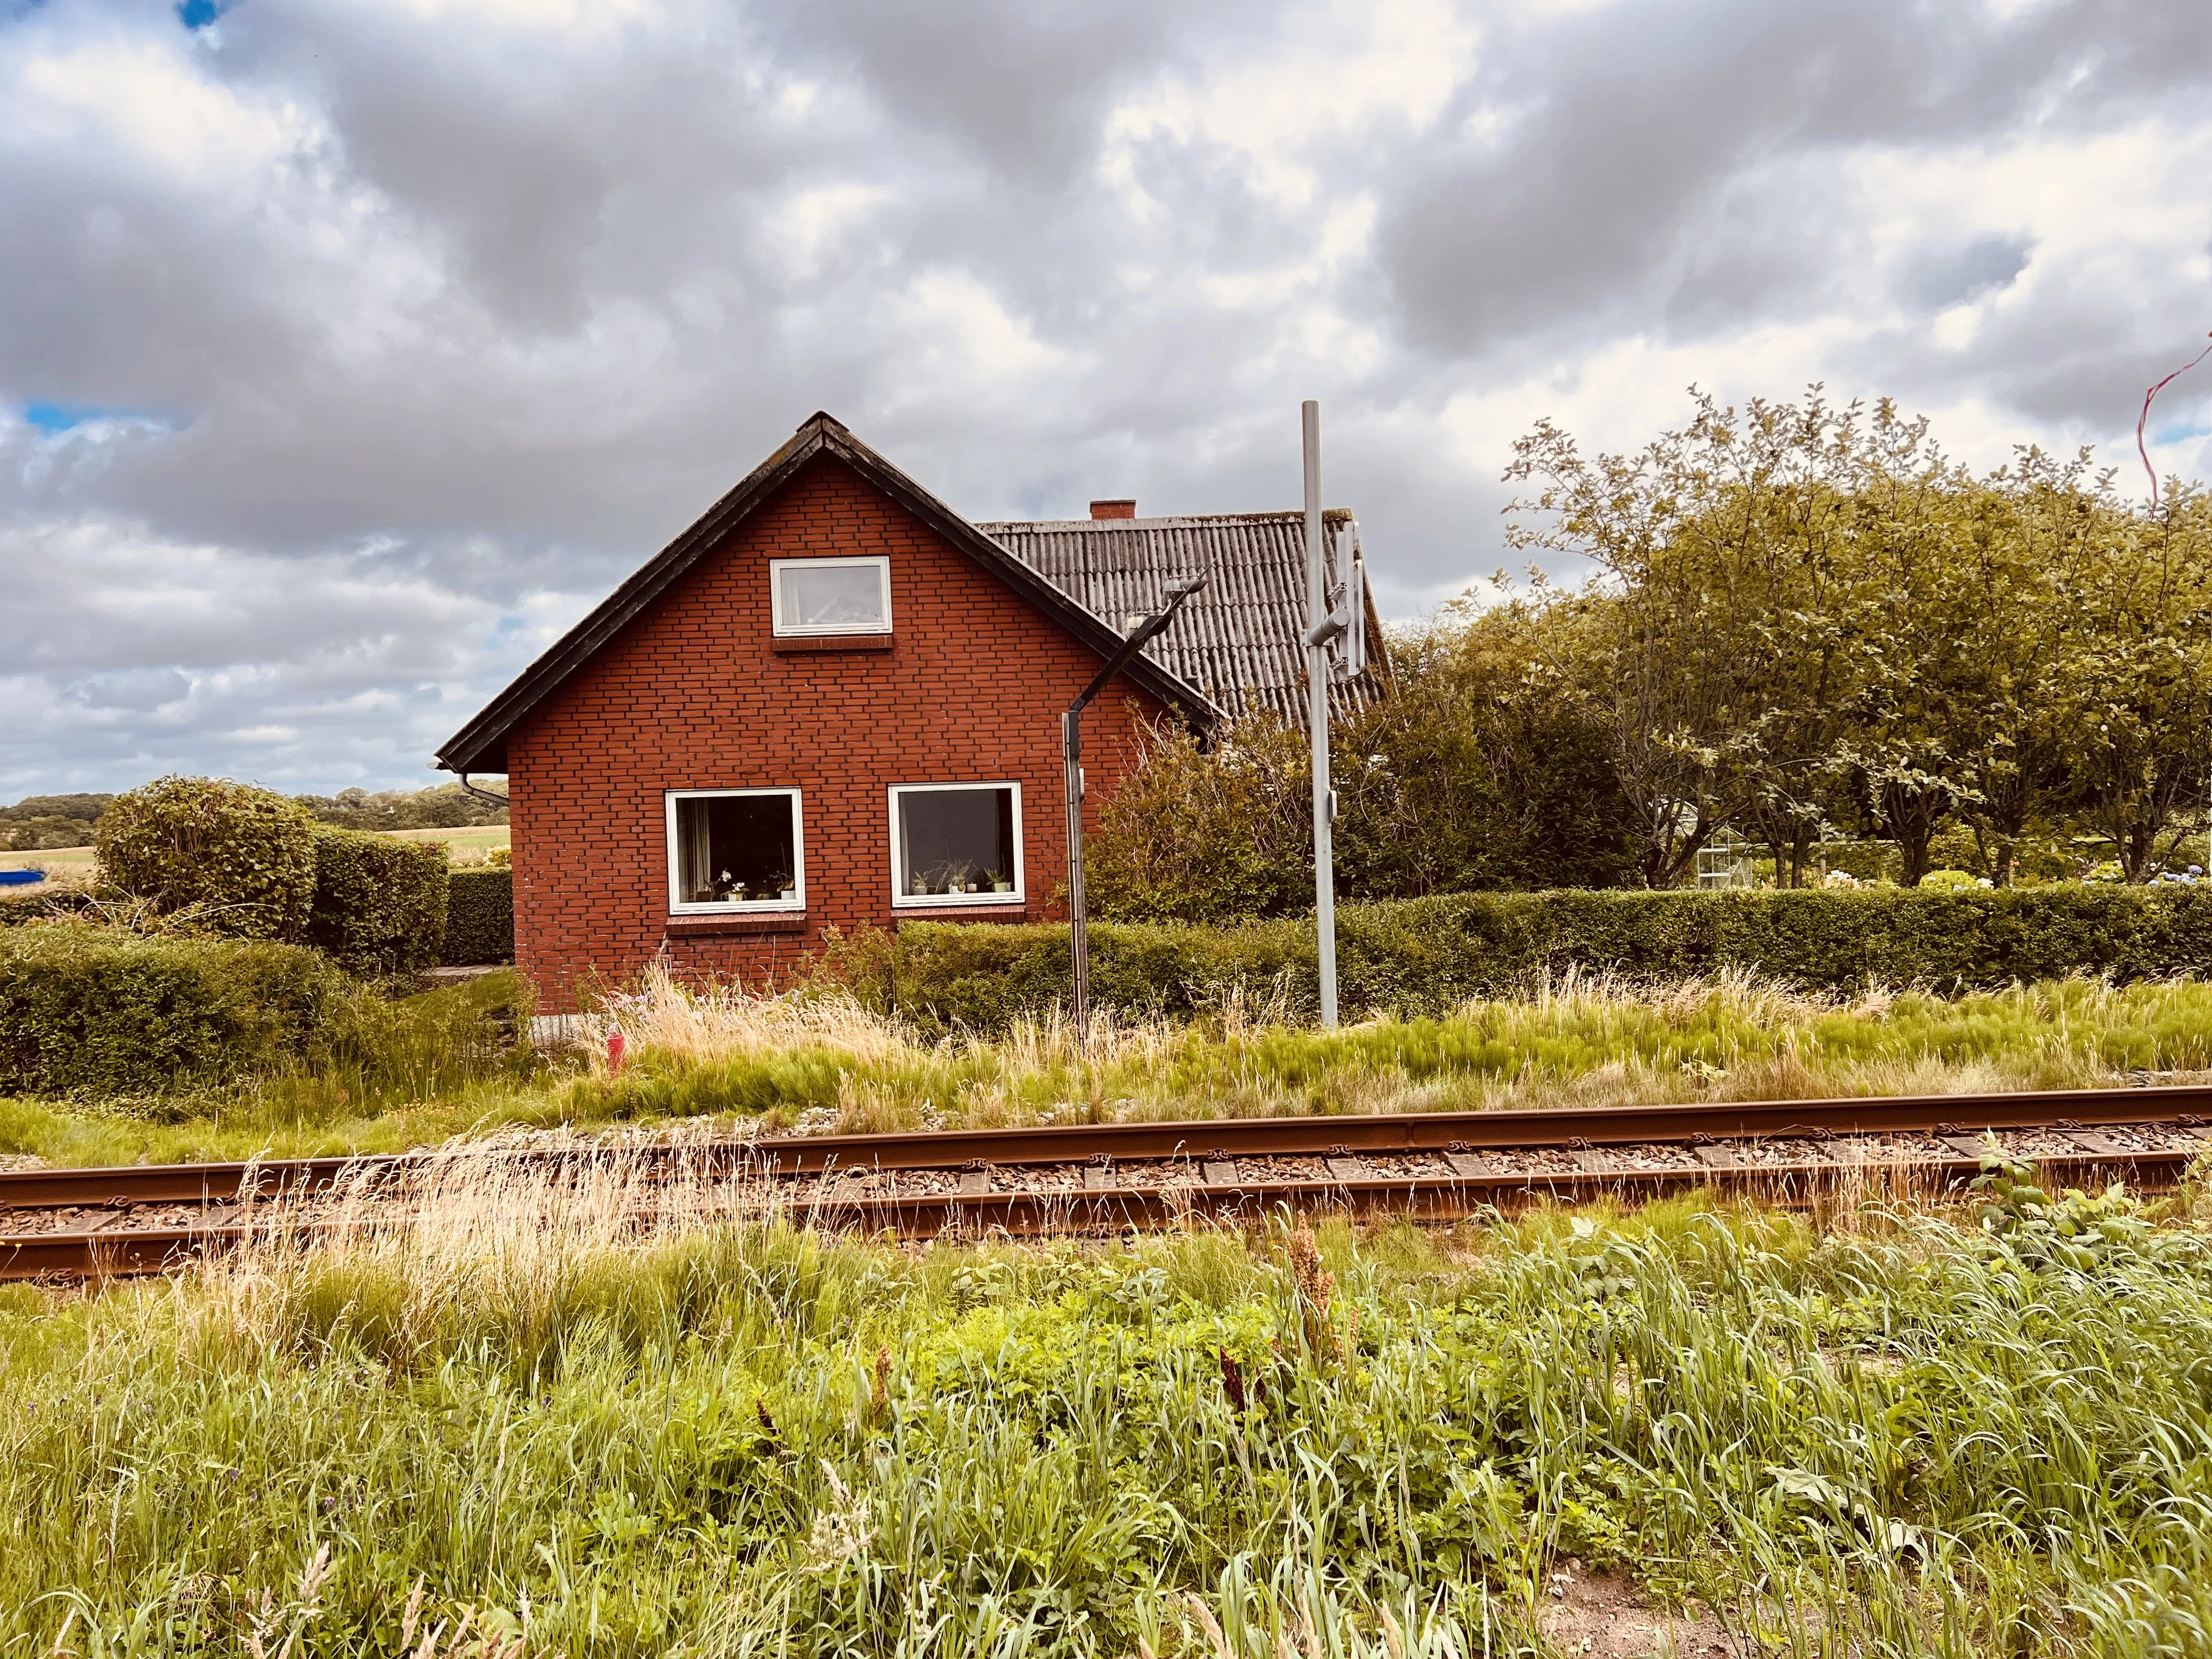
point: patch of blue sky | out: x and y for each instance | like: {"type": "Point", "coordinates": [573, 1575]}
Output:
{"type": "Point", "coordinates": [505, 630]}
{"type": "Point", "coordinates": [2175, 434]}
{"type": "Point", "coordinates": [56, 418]}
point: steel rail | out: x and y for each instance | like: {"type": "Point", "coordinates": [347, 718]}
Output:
{"type": "Point", "coordinates": [1078, 1143]}
{"type": "Point", "coordinates": [114, 1251]}
{"type": "Point", "coordinates": [1204, 1186]}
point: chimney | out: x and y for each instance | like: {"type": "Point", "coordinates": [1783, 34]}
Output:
{"type": "Point", "coordinates": [1113, 509]}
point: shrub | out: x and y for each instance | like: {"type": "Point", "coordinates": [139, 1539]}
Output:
{"type": "Point", "coordinates": [1950, 881]}
{"type": "Point", "coordinates": [479, 917]}
{"type": "Point", "coordinates": [1193, 835]}
{"type": "Point", "coordinates": [380, 903]}
{"type": "Point", "coordinates": [1426, 956]}
{"type": "Point", "coordinates": [89, 1011]}
{"type": "Point", "coordinates": [239, 862]}
{"type": "Point", "coordinates": [37, 904]}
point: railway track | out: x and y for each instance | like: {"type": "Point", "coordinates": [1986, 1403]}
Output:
{"type": "Point", "coordinates": [1078, 1178]}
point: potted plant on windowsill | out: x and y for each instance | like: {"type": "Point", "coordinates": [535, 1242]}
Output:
{"type": "Point", "coordinates": [999, 882]}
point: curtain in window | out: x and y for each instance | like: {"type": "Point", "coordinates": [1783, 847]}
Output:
{"type": "Point", "coordinates": [695, 844]}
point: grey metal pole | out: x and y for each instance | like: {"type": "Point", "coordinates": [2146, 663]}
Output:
{"type": "Point", "coordinates": [1324, 798]}
{"type": "Point", "coordinates": [1071, 749]}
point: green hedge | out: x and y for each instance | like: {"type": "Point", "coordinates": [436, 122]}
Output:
{"type": "Point", "coordinates": [1427, 955]}
{"type": "Point", "coordinates": [380, 903]}
{"type": "Point", "coordinates": [479, 917]}
{"type": "Point", "coordinates": [22, 904]}
{"type": "Point", "coordinates": [241, 860]}
{"type": "Point", "coordinates": [96, 1012]}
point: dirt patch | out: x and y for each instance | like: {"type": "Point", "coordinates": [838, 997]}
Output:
{"type": "Point", "coordinates": [1609, 1617]}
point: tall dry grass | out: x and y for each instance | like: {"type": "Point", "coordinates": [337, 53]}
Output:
{"type": "Point", "coordinates": [822, 1060]}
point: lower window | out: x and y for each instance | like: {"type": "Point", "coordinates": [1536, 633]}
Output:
{"type": "Point", "coordinates": [735, 849]}
{"type": "Point", "coordinates": [956, 844]}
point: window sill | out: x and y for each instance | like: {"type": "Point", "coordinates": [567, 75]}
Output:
{"type": "Point", "coordinates": [786, 921]}
{"type": "Point", "coordinates": [808, 644]}
{"type": "Point", "coordinates": [1005, 910]}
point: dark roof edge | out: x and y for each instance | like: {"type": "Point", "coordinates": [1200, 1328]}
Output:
{"type": "Point", "coordinates": [481, 745]}
{"type": "Point", "coordinates": [1337, 516]}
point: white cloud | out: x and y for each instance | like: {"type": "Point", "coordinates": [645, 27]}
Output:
{"type": "Point", "coordinates": [415, 327]}
{"type": "Point", "coordinates": [150, 102]}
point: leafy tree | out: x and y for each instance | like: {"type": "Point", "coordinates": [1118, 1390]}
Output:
{"type": "Point", "coordinates": [2037, 527]}
{"type": "Point", "coordinates": [2135, 691]}
{"type": "Point", "coordinates": [442, 807]}
{"type": "Point", "coordinates": [1726, 620]}
{"type": "Point", "coordinates": [1485, 769]}
{"type": "Point", "coordinates": [1800, 615]}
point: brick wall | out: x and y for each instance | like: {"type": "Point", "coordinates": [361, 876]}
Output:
{"type": "Point", "coordinates": [693, 695]}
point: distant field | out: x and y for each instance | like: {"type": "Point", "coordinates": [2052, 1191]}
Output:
{"type": "Point", "coordinates": [50, 858]}
{"type": "Point", "coordinates": [482, 840]}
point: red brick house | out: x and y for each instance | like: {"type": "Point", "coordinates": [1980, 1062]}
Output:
{"type": "Point", "coordinates": [833, 701]}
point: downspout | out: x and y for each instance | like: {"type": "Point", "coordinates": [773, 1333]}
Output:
{"type": "Point", "coordinates": [500, 801]}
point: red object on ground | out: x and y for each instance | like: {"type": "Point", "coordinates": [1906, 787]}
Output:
{"type": "Point", "coordinates": [617, 1046]}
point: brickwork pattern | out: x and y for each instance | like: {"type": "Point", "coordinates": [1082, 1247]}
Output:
{"type": "Point", "coordinates": [694, 695]}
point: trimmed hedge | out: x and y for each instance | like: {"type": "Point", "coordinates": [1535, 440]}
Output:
{"type": "Point", "coordinates": [95, 1012]}
{"type": "Point", "coordinates": [240, 859]}
{"type": "Point", "coordinates": [379, 904]}
{"type": "Point", "coordinates": [1426, 956]}
{"type": "Point", "coordinates": [479, 917]}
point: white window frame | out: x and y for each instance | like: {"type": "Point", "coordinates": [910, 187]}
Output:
{"type": "Point", "coordinates": [786, 629]}
{"type": "Point", "coordinates": [902, 900]}
{"type": "Point", "coordinates": [678, 906]}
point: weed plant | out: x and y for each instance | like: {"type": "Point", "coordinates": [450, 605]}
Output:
{"type": "Point", "coordinates": [425, 1068]}
{"type": "Point", "coordinates": [554, 1422]}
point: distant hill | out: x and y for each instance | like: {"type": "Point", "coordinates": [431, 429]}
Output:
{"type": "Point", "coordinates": [38, 822]}
{"type": "Point", "coordinates": [442, 807]}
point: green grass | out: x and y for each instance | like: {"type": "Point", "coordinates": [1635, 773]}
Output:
{"type": "Point", "coordinates": [1899, 1438]}
{"type": "Point", "coordinates": [824, 1062]}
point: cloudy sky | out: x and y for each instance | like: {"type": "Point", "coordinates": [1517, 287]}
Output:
{"type": "Point", "coordinates": [350, 351]}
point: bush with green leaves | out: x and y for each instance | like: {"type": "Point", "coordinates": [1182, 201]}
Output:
{"type": "Point", "coordinates": [234, 860]}
{"type": "Point", "coordinates": [1427, 955]}
{"type": "Point", "coordinates": [2072, 1229]}
{"type": "Point", "coordinates": [379, 904]}
{"type": "Point", "coordinates": [98, 1012]}
{"type": "Point", "coordinates": [479, 916]}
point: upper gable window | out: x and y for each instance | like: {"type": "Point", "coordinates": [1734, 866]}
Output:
{"type": "Point", "coordinates": [831, 596]}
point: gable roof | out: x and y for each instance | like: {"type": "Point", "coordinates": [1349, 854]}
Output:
{"type": "Point", "coordinates": [1240, 639]}
{"type": "Point", "coordinates": [481, 745]}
